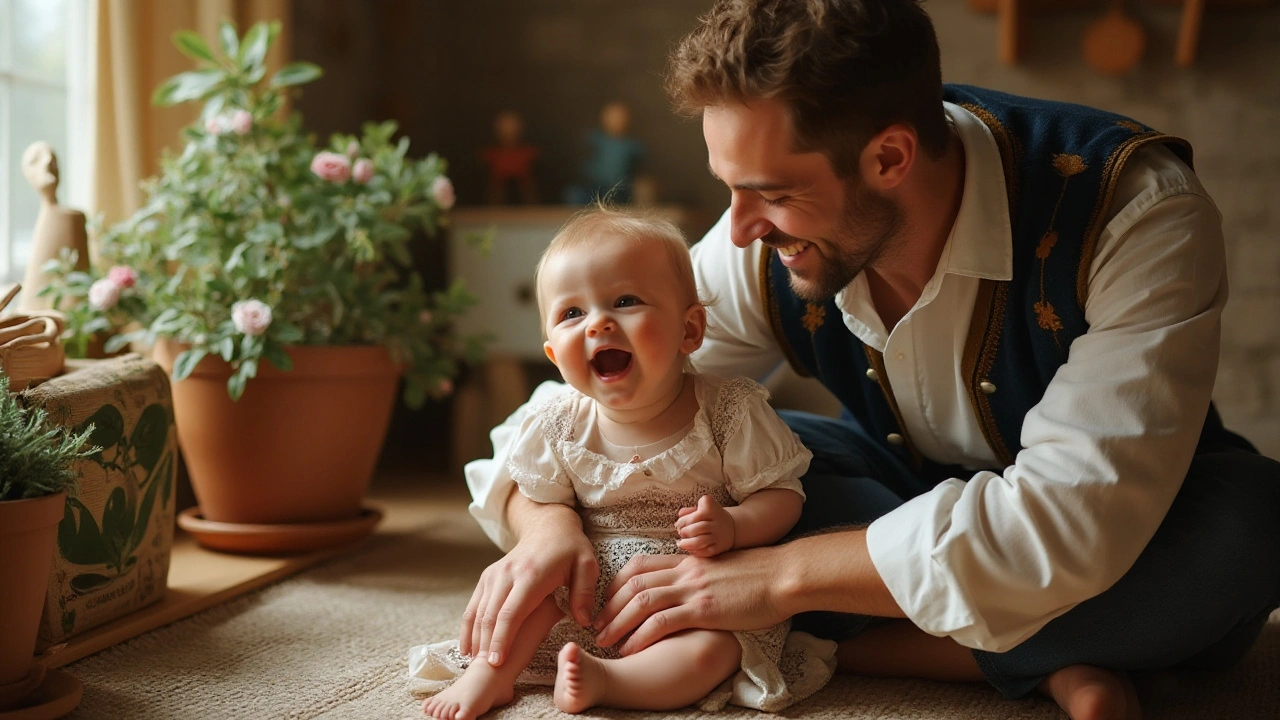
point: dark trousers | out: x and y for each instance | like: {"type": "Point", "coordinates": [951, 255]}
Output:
{"type": "Point", "coordinates": [1197, 597]}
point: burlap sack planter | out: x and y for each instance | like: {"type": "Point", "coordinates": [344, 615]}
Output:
{"type": "Point", "coordinates": [116, 533]}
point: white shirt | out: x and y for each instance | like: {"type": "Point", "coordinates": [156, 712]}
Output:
{"type": "Point", "coordinates": [990, 559]}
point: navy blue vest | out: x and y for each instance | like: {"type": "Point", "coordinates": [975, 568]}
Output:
{"type": "Point", "coordinates": [1061, 163]}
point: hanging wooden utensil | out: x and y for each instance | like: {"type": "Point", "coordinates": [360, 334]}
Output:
{"type": "Point", "coordinates": [1114, 43]}
{"type": "Point", "coordinates": [1188, 33]}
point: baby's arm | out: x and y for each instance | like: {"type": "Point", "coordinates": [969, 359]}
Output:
{"type": "Point", "coordinates": [762, 518]}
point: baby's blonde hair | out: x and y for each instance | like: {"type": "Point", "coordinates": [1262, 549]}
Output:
{"type": "Point", "coordinates": [588, 225]}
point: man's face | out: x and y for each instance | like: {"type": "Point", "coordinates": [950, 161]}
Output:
{"type": "Point", "coordinates": [825, 229]}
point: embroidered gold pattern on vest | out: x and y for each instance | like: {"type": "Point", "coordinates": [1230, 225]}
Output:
{"type": "Point", "coordinates": [1131, 125]}
{"type": "Point", "coordinates": [1047, 318]}
{"type": "Point", "coordinates": [814, 316]}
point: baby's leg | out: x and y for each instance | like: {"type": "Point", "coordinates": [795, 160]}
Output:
{"type": "Point", "coordinates": [484, 686]}
{"type": "Point", "coordinates": [672, 673]}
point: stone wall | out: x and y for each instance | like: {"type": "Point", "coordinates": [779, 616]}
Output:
{"type": "Point", "coordinates": [445, 69]}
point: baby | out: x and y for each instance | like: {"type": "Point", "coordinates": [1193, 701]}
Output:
{"type": "Point", "coordinates": [658, 460]}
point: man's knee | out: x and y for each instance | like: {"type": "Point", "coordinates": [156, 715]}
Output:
{"type": "Point", "coordinates": [1237, 496]}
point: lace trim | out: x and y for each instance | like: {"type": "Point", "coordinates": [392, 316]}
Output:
{"type": "Point", "coordinates": [592, 468]}
{"type": "Point", "coordinates": [730, 406]}
{"type": "Point", "coordinates": [531, 482]}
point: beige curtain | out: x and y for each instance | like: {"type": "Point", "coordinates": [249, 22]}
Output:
{"type": "Point", "coordinates": [134, 54]}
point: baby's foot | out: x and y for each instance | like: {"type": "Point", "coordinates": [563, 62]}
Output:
{"type": "Point", "coordinates": [580, 680]}
{"type": "Point", "coordinates": [470, 696]}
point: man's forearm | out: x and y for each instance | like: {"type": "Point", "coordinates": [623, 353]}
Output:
{"type": "Point", "coordinates": [524, 514]}
{"type": "Point", "coordinates": [832, 572]}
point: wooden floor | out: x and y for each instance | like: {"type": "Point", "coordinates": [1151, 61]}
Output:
{"type": "Point", "coordinates": [200, 578]}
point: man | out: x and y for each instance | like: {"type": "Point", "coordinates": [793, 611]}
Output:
{"type": "Point", "coordinates": [1017, 302]}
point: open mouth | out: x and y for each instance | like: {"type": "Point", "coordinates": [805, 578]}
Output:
{"type": "Point", "coordinates": [611, 362]}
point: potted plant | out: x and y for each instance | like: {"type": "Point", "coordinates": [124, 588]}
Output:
{"type": "Point", "coordinates": [273, 277]}
{"type": "Point", "coordinates": [35, 475]}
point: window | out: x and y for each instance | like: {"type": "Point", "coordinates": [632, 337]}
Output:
{"type": "Point", "coordinates": [45, 55]}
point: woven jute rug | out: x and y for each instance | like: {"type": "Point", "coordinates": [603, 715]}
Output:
{"type": "Point", "coordinates": [332, 643]}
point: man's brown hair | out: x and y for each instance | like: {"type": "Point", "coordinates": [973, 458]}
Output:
{"type": "Point", "coordinates": [846, 69]}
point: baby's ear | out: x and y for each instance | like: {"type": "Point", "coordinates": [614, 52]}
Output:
{"type": "Point", "coordinates": [695, 328]}
{"type": "Point", "coordinates": [551, 353]}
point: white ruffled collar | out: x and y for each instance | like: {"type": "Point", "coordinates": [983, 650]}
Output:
{"type": "Point", "coordinates": [595, 469]}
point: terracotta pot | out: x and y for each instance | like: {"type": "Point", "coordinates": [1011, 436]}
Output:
{"type": "Point", "coordinates": [28, 529]}
{"type": "Point", "coordinates": [299, 446]}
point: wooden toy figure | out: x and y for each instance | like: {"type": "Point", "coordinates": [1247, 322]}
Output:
{"type": "Point", "coordinates": [611, 167]}
{"type": "Point", "coordinates": [510, 160]}
{"type": "Point", "coordinates": [56, 228]}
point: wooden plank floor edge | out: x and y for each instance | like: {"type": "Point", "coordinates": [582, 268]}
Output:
{"type": "Point", "coordinates": [198, 580]}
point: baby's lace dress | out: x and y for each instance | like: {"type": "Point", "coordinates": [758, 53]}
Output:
{"type": "Point", "coordinates": [735, 446]}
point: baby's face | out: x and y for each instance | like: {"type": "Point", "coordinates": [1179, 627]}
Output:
{"type": "Point", "coordinates": [617, 322]}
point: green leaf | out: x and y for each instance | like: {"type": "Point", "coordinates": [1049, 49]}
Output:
{"type": "Point", "coordinates": [193, 46]}
{"type": "Point", "coordinates": [193, 85]}
{"type": "Point", "coordinates": [79, 539]}
{"type": "Point", "coordinates": [230, 40]}
{"type": "Point", "coordinates": [286, 332]}
{"type": "Point", "coordinates": [117, 525]}
{"type": "Point", "coordinates": [85, 583]}
{"type": "Point", "coordinates": [187, 362]}
{"type": "Point", "coordinates": [277, 356]}
{"type": "Point", "coordinates": [144, 510]}
{"type": "Point", "coordinates": [150, 436]}
{"type": "Point", "coordinates": [235, 385]}
{"type": "Point", "coordinates": [227, 348]}
{"type": "Point", "coordinates": [253, 51]}
{"type": "Point", "coordinates": [297, 73]}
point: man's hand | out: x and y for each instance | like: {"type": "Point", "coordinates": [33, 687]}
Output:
{"type": "Point", "coordinates": [657, 595]}
{"type": "Point", "coordinates": [552, 552]}
{"type": "Point", "coordinates": [705, 530]}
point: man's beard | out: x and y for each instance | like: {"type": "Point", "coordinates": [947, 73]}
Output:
{"type": "Point", "coordinates": [868, 224]}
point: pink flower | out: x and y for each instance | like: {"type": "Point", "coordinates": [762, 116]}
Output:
{"type": "Point", "coordinates": [363, 171]}
{"type": "Point", "coordinates": [442, 191]}
{"type": "Point", "coordinates": [104, 294]}
{"type": "Point", "coordinates": [353, 149]}
{"type": "Point", "coordinates": [213, 125]}
{"type": "Point", "coordinates": [123, 276]}
{"type": "Point", "coordinates": [251, 317]}
{"type": "Point", "coordinates": [331, 166]}
{"type": "Point", "coordinates": [445, 387]}
{"type": "Point", "coordinates": [241, 121]}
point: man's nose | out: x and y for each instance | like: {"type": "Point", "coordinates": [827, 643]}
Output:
{"type": "Point", "coordinates": [746, 220]}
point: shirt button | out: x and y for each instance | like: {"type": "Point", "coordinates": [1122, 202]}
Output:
{"type": "Point", "coordinates": [987, 387]}
{"type": "Point", "coordinates": [895, 439]}
{"type": "Point", "coordinates": [872, 375]}
{"type": "Point", "coordinates": [648, 473]}
{"type": "Point", "coordinates": [901, 356]}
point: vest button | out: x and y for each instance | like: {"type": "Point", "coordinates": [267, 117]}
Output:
{"type": "Point", "coordinates": [987, 387]}
{"type": "Point", "coordinates": [895, 439]}
{"type": "Point", "coordinates": [872, 375]}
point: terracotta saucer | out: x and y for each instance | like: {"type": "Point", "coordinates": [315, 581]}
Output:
{"type": "Point", "coordinates": [58, 694]}
{"type": "Point", "coordinates": [283, 539]}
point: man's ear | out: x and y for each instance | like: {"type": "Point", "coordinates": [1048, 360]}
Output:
{"type": "Point", "coordinates": [551, 353]}
{"type": "Point", "coordinates": [695, 328]}
{"type": "Point", "coordinates": [887, 160]}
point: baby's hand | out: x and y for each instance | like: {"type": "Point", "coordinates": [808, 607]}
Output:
{"type": "Point", "coordinates": [705, 530]}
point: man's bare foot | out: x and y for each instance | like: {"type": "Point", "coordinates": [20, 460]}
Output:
{"type": "Point", "coordinates": [1086, 692]}
{"type": "Point", "coordinates": [470, 696]}
{"type": "Point", "coordinates": [580, 680]}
